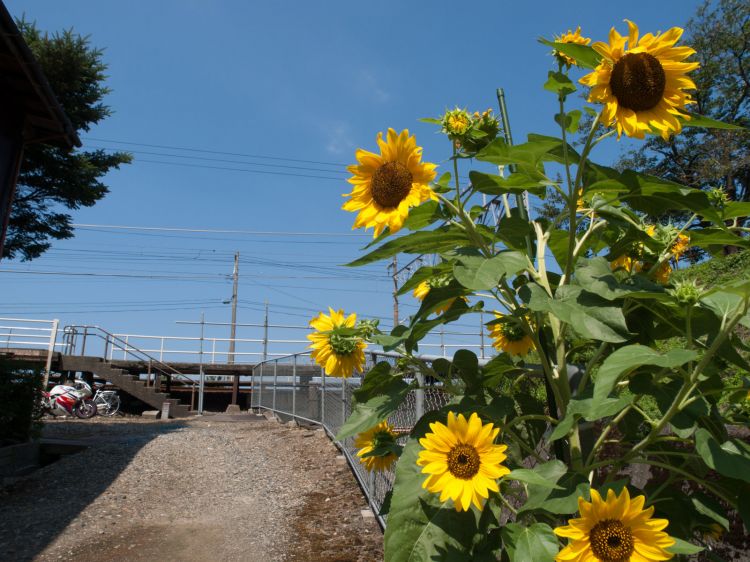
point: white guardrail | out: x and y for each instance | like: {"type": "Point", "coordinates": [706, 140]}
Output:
{"type": "Point", "coordinates": [33, 334]}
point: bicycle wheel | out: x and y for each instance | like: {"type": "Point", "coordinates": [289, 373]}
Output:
{"type": "Point", "coordinates": [86, 409]}
{"type": "Point", "coordinates": [110, 405]}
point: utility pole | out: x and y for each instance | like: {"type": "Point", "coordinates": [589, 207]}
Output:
{"type": "Point", "coordinates": [395, 292]}
{"type": "Point", "coordinates": [233, 329]}
{"type": "Point", "coordinates": [265, 334]}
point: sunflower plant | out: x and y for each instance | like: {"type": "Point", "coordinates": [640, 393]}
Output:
{"type": "Point", "coordinates": [603, 429]}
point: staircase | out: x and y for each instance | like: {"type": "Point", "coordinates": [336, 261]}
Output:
{"type": "Point", "coordinates": [125, 381]}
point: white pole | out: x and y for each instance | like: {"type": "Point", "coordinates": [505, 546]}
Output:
{"type": "Point", "coordinates": [50, 352]}
{"type": "Point", "coordinates": [202, 375]}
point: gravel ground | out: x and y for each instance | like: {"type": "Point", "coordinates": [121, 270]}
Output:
{"type": "Point", "coordinates": [199, 490]}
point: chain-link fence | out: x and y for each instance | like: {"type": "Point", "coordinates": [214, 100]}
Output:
{"type": "Point", "coordinates": [294, 387]}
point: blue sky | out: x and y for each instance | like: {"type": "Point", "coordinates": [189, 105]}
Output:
{"type": "Point", "coordinates": [272, 99]}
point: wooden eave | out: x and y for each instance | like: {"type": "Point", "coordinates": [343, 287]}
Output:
{"type": "Point", "coordinates": [24, 88]}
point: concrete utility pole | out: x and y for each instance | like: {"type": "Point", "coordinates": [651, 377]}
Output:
{"type": "Point", "coordinates": [395, 292]}
{"type": "Point", "coordinates": [233, 329]}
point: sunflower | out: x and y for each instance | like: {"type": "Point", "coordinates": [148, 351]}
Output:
{"type": "Point", "coordinates": [680, 243]}
{"type": "Point", "coordinates": [373, 438]}
{"type": "Point", "coordinates": [642, 87]}
{"type": "Point", "coordinates": [339, 354]}
{"type": "Point", "coordinates": [628, 263]}
{"type": "Point", "coordinates": [570, 37]}
{"type": "Point", "coordinates": [387, 185]}
{"type": "Point", "coordinates": [509, 336]}
{"type": "Point", "coordinates": [421, 291]}
{"type": "Point", "coordinates": [615, 530]}
{"type": "Point", "coordinates": [462, 461]}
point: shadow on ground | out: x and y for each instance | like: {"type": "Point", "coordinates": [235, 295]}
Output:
{"type": "Point", "coordinates": [35, 510]}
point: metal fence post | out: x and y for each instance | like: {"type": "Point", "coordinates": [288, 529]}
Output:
{"type": "Point", "coordinates": [343, 402]}
{"type": "Point", "coordinates": [294, 385]}
{"type": "Point", "coordinates": [419, 397]}
{"type": "Point", "coordinates": [275, 379]}
{"type": "Point", "coordinates": [260, 386]}
{"type": "Point", "coordinates": [323, 396]}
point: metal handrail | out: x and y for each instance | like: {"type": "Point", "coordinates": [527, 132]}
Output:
{"type": "Point", "coordinates": [72, 332]}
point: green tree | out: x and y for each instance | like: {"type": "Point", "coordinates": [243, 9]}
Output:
{"type": "Point", "coordinates": [711, 158]}
{"type": "Point", "coordinates": [53, 179]}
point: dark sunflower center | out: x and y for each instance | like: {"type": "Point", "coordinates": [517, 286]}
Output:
{"type": "Point", "coordinates": [463, 461]}
{"type": "Point", "coordinates": [638, 81]}
{"type": "Point", "coordinates": [342, 345]}
{"type": "Point", "coordinates": [611, 541]}
{"type": "Point", "coordinates": [391, 183]}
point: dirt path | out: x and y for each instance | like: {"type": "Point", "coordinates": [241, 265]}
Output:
{"type": "Point", "coordinates": [202, 490]}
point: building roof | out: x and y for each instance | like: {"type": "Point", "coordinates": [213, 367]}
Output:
{"type": "Point", "coordinates": [25, 84]}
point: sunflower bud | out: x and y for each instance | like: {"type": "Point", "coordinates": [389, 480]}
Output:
{"type": "Point", "coordinates": [456, 123]}
{"type": "Point", "coordinates": [718, 197]}
{"type": "Point", "coordinates": [687, 293]}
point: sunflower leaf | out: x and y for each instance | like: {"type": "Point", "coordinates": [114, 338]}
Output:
{"type": "Point", "coordinates": [559, 83]}
{"type": "Point", "coordinates": [629, 358]}
{"type": "Point", "coordinates": [530, 477]}
{"type": "Point", "coordinates": [384, 450]}
{"type": "Point", "coordinates": [683, 547]}
{"type": "Point", "coordinates": [419, 526]}
{"type": "Point", "coordinates": [585, 56]}
{"type": "Point", "coordinates": [424, 215]}
{"type": "Point", "coordinates": [479, 274]}
{"type": "Point", "coordinates": [730, 458]}
{"type": "Point", "coordinates": [422, 242]}
{"type": "Point", "coordinates": [385, 399]}
{"type": "Point", "coordinates": [569, 120]}
{"type": "Point", "coordinates": [519, 182]}
{"type": "Point", "coordinates": [536, 542]}
{"type": "Point", "coordinates": [698, 120]}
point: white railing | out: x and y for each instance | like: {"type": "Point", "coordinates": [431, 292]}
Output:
{"type": "Point", "coordinates": [34, 334]}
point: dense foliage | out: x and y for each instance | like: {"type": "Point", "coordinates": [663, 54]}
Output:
{"type": "Point", "coordinates": [20, 412]}
{"type": "Point", "coordinates": [53, 178]}
{"type": "Point", "coordinates": [610, 424]}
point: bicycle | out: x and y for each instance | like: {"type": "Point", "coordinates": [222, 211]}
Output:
{"type": "Point", "coordinates": [107, 402]}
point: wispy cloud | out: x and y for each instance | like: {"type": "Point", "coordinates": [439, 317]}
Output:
{"type": "Point", "coordinates": [338, 138]}
{"type": "Point", "coordinates": [369, 84]}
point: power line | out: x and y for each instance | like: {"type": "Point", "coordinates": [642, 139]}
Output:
{"type": "Point", "coordinates": [283, 166]}
{"type": "Point", "coordinates": [227, 168]}
{"type": "Point", "coordinates": [222, 231]}
{"type": "Point", "coordinates": [199, 150]}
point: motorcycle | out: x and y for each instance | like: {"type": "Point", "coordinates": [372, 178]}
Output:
{"type": "Point", "coordinates": [64, 400]}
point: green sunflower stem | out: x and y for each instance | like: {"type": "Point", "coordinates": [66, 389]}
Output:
{"type": "Point", "coordinates": [572, 198]}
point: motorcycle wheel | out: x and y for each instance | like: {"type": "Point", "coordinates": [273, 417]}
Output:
{"type": "Point", "coordinates": [86, 409]}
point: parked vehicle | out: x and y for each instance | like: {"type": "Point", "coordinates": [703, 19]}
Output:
{"type": "Point", "coordinates": [107, 402]}
{"type": "Point", "coordinates": [64, 400]}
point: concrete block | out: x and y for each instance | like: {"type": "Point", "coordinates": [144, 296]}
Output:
{"type": "Point", "coordinates": [291, 423]}
{"type": "Point", "coordinates": [340, 459]}
{"type": "Point", "coordinates": [233, 409]}
{"type": "Point", "coordinates": [368, 514]}
{"type": "Point", "coordinates": [151, 414]}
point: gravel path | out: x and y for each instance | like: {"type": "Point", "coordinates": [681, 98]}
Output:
{"type": "Point", "coordinates": [201, 490]}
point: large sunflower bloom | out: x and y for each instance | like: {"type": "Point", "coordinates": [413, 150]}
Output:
{"type": "Point", "coordinates": [510, 337]}
{"type": "Point", "coordinates": [339, 355]}
{"type": "Point", "coordinates": [615, 530]}
{"type": "Point", "coordinates": [388, 184]}
{"type": "Point", "coordinates": [462, 460]}
{"type": "Point", "coordinates": [642, 86]}
{"type": "Point", "coordinates": [422, 290]}
{"type": "Point", "coordinates": [570, 37]}
{"type": "Point", "coordinates": [367, 441]}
